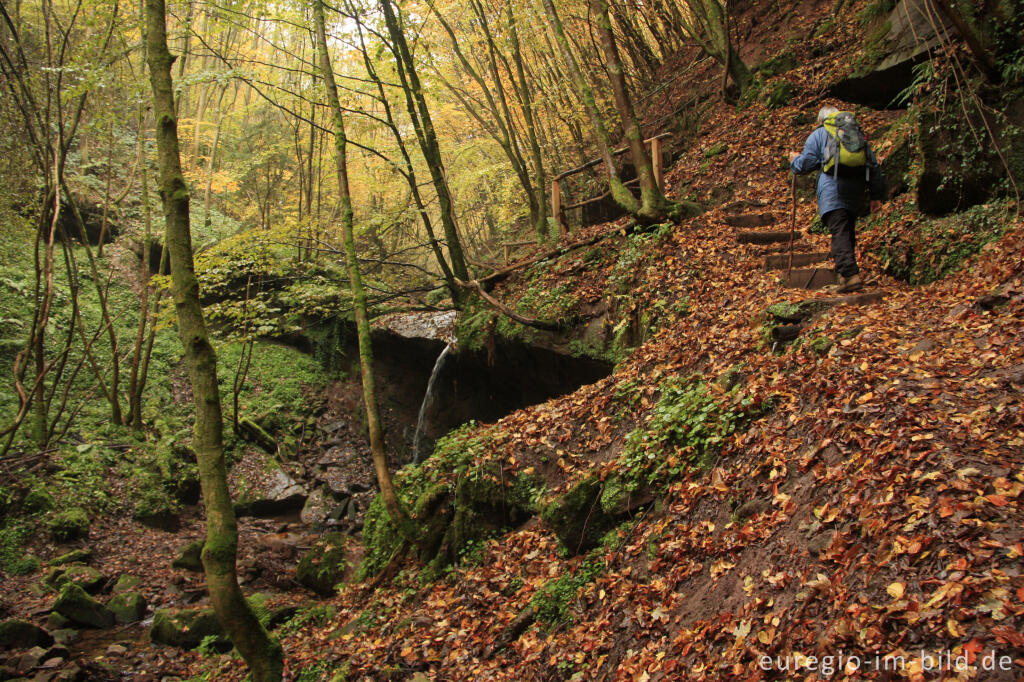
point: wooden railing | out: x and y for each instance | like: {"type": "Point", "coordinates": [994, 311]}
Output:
{"type": "Point", "coordinates": [557, 209]}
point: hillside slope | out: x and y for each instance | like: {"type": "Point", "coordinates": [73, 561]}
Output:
{"type": "Point", "coordinates": [854, 493]}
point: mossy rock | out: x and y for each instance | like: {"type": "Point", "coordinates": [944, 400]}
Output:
{"type": "Point", "coordinates": [577, 517]}
{"type": "Point", "coordinates": [185, 628]}
{"type": "Point", "coordinates": [128, 607]}
{"type": "Point", "coordinates": [71, 524]}
{"type": "Point", "coordinates": [190, 558]}
{"type": "Point", "coordinates": [620, 497]}
{"type": "Point", "coordinates": [125, 583]}
{"type": "Point", "coordinates": [75, 556]}
{"type": "Point", "coordinates": [86, 577]}
{"type": "Point", "coordinates": [485, 504]}
{"type": "Point", "coordinates": [55, 621]}
{"type": "Point", "coordinates": [76, 605]}
{"type": "Point", "coordinates": [779, 64]}
{"type": "Point", "coordinates": [779, 95]}
{"type": "Point", "coordinates": [325, 565]}
{"type": "Point", "coordinates": [18, 634]}
{"type": "Point", "coordinates": [37, 501]}
{"type": "Point", "coordinates": [820, 345]}
{"type": "Point", "coordinates": [154, 506]}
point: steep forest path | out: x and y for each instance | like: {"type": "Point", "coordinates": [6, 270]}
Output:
{"type": "Point", "coordinates": [788, 253]}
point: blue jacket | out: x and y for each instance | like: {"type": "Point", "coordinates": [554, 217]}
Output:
{"type": "Point", "coordinates": [844, 192]}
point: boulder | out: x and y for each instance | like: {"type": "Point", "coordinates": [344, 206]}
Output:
{"type": "Point", "coordinates": [185, 628]}
{"type": "Point", "coordinates": [87, 577]}
{"type": "Point", "coordinates": [283, 494]}
{"type": "Point", "coordinates": [125, 583]}
{"type": "Point", "coordinates": [956, 174]}
{"type": "Point", "coordinates": [190, 558]}
{"type": "Point", "coordinates": [76, 605]}
{"type": "Point", "coordinates": [128, 607]}
{"type": "Point", "coordinates": [315, 510]}
{"type": "Point", "coordinates": [898, 42]}
{"type": "Point", "coordinates": [75, 556]}
{"type": "Point", "coordinates": [65, 636]}
{"type": "Point", "coordinates": [55, 621]}
{"type": "Point", "coordinates": [18, 634]}
{"type": "Point", "coordinates": [70, 524]}
{"type": "Point", "coordinates": [577, 517]}
{"type": "Point", "coordinates": [325, 565]}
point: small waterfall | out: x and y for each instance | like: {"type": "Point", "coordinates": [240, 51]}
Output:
{"type": "Point", "coordinates": [427, 398]}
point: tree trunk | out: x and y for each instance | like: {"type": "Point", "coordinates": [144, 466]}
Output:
{"type": "Point", "coordinates": [420, 114]}
{"type": "Point", "coordinates": [261, 653]}
{"type": "Point", "coordinates": [410, 172]}
{"type": "Point", "coordinates": [525, 93]}
{"type": "Point", "coordinates": [622, 196]}
{"type": "Point", "coordinates": [653, 205]}
{"type": "Point", "coordinates": [373, 422]}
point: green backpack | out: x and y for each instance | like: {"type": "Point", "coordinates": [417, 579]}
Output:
{"type": "Point", "coordinates": [847, 151]}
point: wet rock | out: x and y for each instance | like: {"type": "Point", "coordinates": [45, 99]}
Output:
{"type": "Point", "coordinates": [76, 605]}
{"type": "Point", "coordinates": [185, 628]}
{"type": "Point", "coordinates": [315, 510]}
{"type": "Point", "coordinates": [325, 565]}
{"type": "Point", "coordinates": [65, 636]}
{"type": "Point", "coordinates": [19, 634]}
{"type": "Point", "coordinates": [87, 577]}
{"type": "Point", "coordinates": [29, 659]}
{"type": "Point", "coordinates": [190, 558]}
{"type": "Point", "coordinates": [128, 607]}
{"type": "Point", "coordinates": [55, 621]}
{"type": "Point", "coordinates": [117, 650]}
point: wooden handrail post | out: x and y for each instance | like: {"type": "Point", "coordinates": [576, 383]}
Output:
{"type": "Point", "coordinates": [656, 162]}
{"type": "Point", "coordinates": [556, 205]}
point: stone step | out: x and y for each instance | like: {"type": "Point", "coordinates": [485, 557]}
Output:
{"type": "Point", "coordinates": [781, 261]}
{"type": "Point", "coordinates": [751, 219]}
{"type": "Point", "coordinates": [774, 237]}
{"type": "Point", "coordinates": [810, 278]}
{"type": "Point", "coordinates": [857, 298]}
{"type": "Point", "coordinates": [774, 249]}
{"type": "Point", "coordinates": [795, 317]}
{"type": "Point", "coordinates": [742, 206]}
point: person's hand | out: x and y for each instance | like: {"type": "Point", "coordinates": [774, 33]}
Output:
{"type": "Point", "coordinates": [876, 205]}
{"type": "Point", "coordinates": [793, 156]}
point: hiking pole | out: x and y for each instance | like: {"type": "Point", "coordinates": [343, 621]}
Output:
{"type": "Point", "coordinates": [792, 227]}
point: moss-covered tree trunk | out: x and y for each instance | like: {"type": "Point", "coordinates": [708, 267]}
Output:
{"type": "Point", "coordinates": [620, 193]}
{"type": "Point", "coordinates": [709, 26]}
{"type": "Point", "coordinates": [653, 205]}
{"type": "Point", "coordinates": [373, 423]}
{"type": "Point", "coordinates": [261, 653]}
{"type": "Point", "coordinates": [526, 104]}
{"type": "Point", "coordinates": [416, 103]}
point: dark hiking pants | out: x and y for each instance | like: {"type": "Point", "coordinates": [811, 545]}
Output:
{"type": "Point", "coordinates": [840, 223]}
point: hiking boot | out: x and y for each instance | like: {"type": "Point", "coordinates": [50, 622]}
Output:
{"type": "Point", "coordinates": [851, 283]}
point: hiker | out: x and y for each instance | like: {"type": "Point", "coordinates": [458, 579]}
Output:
{"type": "Point", "coordinates": [841, 185]}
